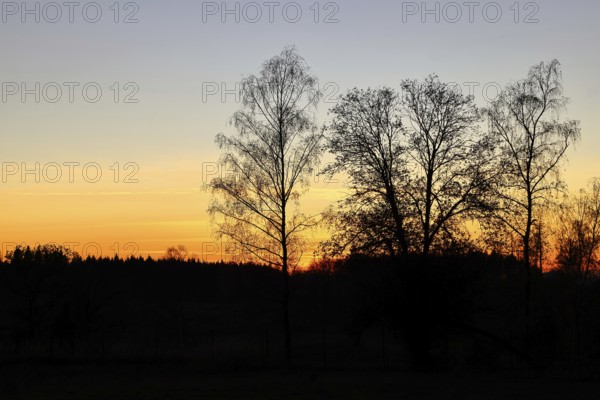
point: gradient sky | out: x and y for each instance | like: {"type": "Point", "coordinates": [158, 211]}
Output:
{"type": "Point", "coordinates": [175, 53]}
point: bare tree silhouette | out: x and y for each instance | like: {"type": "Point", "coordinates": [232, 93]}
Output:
{"type": "Point", "coordinates": [366, 139]}
{"type": "Point", "coordinates": [410, 183]}
{"type": "Point", "coordinates": [449, 159]}
{"type": "Point", "coordinates": [532, 143]}
{"type": "Point", "coordinates": [578, 233]}
{"type": "Point", "coordinates": [179, 253]}
{"type": "Point", "coordinates": [272, 157]}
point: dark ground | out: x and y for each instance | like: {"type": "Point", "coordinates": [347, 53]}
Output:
{"type": "Point", "coordinates": [174, 382]}
{"type": "Point", "coordinates": [147, 330]}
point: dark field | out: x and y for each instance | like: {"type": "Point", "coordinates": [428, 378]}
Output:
{"type": "Point", "coordinates": [171, 382]}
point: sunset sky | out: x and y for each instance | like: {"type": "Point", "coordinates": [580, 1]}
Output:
{"type": "Point", "coordinates": [174, 73]}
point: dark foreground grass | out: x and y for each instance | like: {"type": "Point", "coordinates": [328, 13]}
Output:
{"type": "Point", "coordinates": [172, 382]}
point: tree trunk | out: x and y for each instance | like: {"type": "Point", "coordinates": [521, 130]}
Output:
{"type": "Point", "coordinates": [428, 206]}
{"type": "Point", "coordinates": [398, 219]}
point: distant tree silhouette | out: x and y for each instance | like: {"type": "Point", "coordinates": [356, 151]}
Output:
{"type": "Point", "coordinates": [532, 142]}
{"type": "Point", "coordinates": [179, 253]}
{"type": "Point", "coordinates": [272, 157]}
{"type": "Point", "coordinates": [578, 232]}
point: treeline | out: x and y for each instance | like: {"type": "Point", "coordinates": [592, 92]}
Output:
{"type": "Point", "coordinates": [455, 312]}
